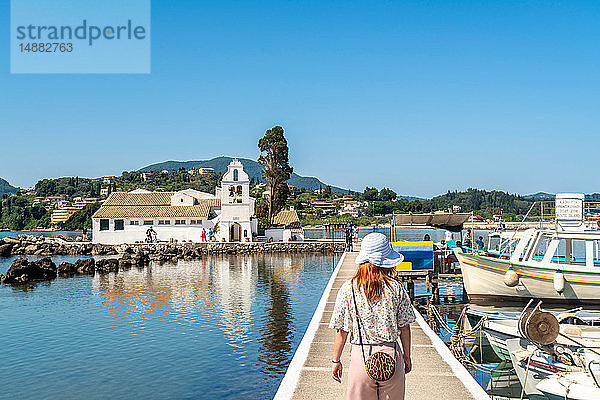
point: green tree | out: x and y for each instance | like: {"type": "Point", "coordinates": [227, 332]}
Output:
{"type": "Point", "coordinates": [81, 219]}
{"type": "Point", "coordinates": [276, 168]}
{"type": "Point", "coordinates": [262, 212]}
{"type": "Point", "coordinates": [387, 194]}
{"type": "Point", "coordinates": [370, 194]}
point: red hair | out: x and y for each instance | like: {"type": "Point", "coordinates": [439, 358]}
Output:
{"type": "Point", "coordinates": [372, 278]}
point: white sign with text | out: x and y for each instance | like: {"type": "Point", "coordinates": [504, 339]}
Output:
{"type": "Point", "coordinates": [569, 209]}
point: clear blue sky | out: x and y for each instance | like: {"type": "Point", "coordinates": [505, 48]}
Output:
{"type": "Point", "coordinates": [419, 96]}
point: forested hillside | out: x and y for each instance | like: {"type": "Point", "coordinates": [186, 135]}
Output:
{"type": "Point", "coordinates": [251, 167]}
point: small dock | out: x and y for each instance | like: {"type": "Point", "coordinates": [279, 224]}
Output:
{"type": "Point", "coordinates": [436, 373]}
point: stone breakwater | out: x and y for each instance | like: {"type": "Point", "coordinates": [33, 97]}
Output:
{"type": "Point", "coordinates": [50, 246]}
{"type": "Point", "coordinates": [24, 271]}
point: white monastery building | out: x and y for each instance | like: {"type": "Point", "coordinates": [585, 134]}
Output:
{"type": "Point", "coordinates": [180, 216]}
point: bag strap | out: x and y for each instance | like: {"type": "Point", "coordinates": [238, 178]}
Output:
{"type": "Point", "coordinates": [358, 323]}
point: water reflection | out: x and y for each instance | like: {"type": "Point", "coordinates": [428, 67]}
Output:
{"type": "Point", "coordinates": [248, 313]}
{"type": "Point", "coordinates": [276, 333]}
{"type": "Point", "coordinates": [224, 327]}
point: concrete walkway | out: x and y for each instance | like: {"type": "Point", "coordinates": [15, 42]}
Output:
{"type": "Point", "coordinates": [436, 374]}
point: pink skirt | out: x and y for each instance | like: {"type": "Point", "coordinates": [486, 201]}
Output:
{"type": "Point", "coordinates": [361, 387]}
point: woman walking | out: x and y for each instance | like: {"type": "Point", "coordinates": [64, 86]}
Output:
{"type": "Point", "coordinates": [376, 310]}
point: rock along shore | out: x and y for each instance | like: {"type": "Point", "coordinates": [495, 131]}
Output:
{"type": "Point", "coordinates": [51, 246]}
{"type": "Point", "coordinates": [24, 271]}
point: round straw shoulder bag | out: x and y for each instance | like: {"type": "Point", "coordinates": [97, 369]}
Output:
{"type": "Point", "coordinates": [380, 366]}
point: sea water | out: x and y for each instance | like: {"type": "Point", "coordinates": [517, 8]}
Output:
{"type": "Point", "coordinates": [222, 327]}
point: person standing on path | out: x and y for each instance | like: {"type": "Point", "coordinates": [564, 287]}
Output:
{"type": "Point", "coordinates": [151, 235]}
{"type": "Point", "coordinates": [211, 234]}
{"type": "Point", "coordinates": [203, 235]}
{"type": "Point", "coordinates": [374, 308]}
{"type": "Point", "coordinates": [348, 233]}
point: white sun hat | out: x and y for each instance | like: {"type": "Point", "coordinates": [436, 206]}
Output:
{"type": "Point", "coordinates": [376, 249]}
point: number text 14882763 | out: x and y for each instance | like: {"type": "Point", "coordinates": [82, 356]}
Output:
{"type": "Point", "coordinates": [46, 47]}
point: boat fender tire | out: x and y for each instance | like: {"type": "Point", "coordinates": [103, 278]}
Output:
{"type": "Point", "coordinates": [511, 278]}
{"type": "Point", "coordinates": [559, 282]}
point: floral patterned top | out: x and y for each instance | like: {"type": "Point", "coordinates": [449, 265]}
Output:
{"type": "Point", "coordinates": [380, 320]}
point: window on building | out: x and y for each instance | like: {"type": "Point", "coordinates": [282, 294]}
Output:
{"type": "Point", "coordinates": [192, 222]}
{"type": "Point", "coordinates": [164, 222]}
{"type": "Point", "coordinates": [235, 174]}
{"type": "Point", "coordinates": [231, 191]}
{"type": "Point", "coordinates": [119, 225]}
{"type": "Point", "coordinates": [245, 233]}
{"type": "Point", "coordinates": [103, 224]}
{"type": "Point", "coordinates": [132, 222]}
{"type": "Point", "coordinates": [239, 190]}
{"type": "Point", "coordinates": [148, 222]}
{"type": "Point", "coordinates": [180, 222]}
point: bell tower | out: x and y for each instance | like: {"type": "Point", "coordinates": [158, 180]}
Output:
{"type": "Point", "coordinates": [235, 186]}
{"type": "Point", "coordinates": [237, 207]}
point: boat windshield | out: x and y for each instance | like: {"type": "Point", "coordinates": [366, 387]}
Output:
{"type": "Point", "coordinates": [565, 250]}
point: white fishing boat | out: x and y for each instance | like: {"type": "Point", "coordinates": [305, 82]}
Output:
{"type": "Point", "coordinates": [571, 386]}
{"type": "Point", "coordinates": [532, 365]}
{"type": "Point", "coordinates": [501, 244]}
{"type": "Point", "coordinates": [552, 360]}
{"type": "Point", "coordinates": [553, 265]}
{"type": "Point", "coordinates": [498, 332]}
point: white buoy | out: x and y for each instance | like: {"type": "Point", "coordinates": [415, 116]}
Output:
{"type": "Point", "coordinates": [559, 282]}
{"type": "Point", "coordinates": [511, 279]}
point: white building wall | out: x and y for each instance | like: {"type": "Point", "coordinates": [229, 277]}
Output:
{"type": "Point", "coordinates": [182, 199]}
{"type": "Point", "coordinates": [278, 235]}
{"type": "Point", "coordinates": [137, 233]}
{"type": "Point", "coordinates": [224, 231]}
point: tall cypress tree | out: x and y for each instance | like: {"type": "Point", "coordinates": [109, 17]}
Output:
{"type": "Point", "coordinates": [276, 168]}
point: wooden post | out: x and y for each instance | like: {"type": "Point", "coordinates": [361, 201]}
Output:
{"type": "Point", "coordinates": [435, 290]}
{"type": "Point", "coordinates": [411, 289]}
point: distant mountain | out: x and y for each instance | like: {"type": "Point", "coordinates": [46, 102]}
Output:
{"type": "Point", "coordinates": [540, 196]}
{"type": "Point", "coordinates": [411, 198]}
{"type": "Point", "coordinates": [6, 187]}
{"type": "Point", "coordinates": [252, 168]}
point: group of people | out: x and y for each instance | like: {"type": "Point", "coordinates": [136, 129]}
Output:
{"type": "Point", "coordinates": [151, 236]}
{"type": "Point", "coordinates": [211, 235]}
{"type": "Point", "coordinates": [478, 244]}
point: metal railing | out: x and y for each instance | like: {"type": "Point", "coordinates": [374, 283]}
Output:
{"type": "Point", "coordinates": [591, 212]}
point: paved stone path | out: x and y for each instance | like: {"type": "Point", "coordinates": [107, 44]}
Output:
{"type": "Point", "coordinates": [431, 378]}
